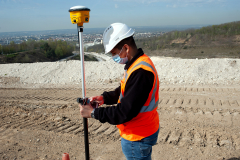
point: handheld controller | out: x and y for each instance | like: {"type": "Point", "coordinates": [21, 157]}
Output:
{"type": "Point", "coordinates": [84, 101]}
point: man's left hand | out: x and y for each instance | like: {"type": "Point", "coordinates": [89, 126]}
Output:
{"type": "Point", "coordinates": [86, 110]}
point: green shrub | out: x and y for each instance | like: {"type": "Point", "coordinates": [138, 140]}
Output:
{"type": "Point", "coordinates": [11, 55]}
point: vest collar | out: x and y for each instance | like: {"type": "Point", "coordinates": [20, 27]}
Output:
{"type": "Point", "coordinates": [137, 55]}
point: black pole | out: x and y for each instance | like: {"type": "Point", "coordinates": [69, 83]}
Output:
{"type": "Point", "coordinates": [85, 120]}
{"type": "Point", "coordinates": [85, 123]}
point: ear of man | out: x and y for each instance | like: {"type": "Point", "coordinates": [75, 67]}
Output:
{"type": "Point", "coordinates": [129, 41]}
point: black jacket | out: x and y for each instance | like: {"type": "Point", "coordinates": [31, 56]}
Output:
{"type": "Point", "coordinates": [137, 89]}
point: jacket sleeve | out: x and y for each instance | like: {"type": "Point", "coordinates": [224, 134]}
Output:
{"type": "Point", "coordinates": [112, 96]}
{"type": "Point", "coordinates": [137, 90]}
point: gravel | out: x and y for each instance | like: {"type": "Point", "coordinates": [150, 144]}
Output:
{"type": "Point", "coordinates": [108, 73]}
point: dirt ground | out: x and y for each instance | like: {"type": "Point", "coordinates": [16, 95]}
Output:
{"type": "Point", "coordinates": [44, 123]}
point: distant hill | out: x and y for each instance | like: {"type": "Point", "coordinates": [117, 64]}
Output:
{"type": "Point", "coordinates": [214, 35]}
{"type": "Point", "coordinates": [215, 41]}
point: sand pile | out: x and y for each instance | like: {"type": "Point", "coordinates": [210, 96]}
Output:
{"type": "Point", "coordinates": [108, 73]}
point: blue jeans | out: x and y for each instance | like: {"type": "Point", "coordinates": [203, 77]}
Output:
{"type": "Point", "coordinates": [139, 150]}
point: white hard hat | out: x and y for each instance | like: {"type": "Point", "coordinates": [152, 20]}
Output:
{"type": "Point", "coordinates": [114, 34]}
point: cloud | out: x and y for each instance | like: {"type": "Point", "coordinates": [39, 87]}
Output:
{"type": "Point", "coordinates": [116, 6]}
{"type": "Point", "coordinates": [175, 3]}
{"type": "Point", "coordinates": [15, 1]}
{"type": "Point", "coordinates": [172, 6]}
{"type": "Point", "coordinates": [138, 1]}
{"type": "Point", "coordinates": [29, 8]}
{"type": "Point", "coordinates": [10, 0]}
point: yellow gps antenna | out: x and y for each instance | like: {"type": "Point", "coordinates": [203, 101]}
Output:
{"type": "Point", "coordinates": [80, 15]}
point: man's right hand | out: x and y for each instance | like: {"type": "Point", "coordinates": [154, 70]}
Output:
{"type": "Point", "coordinates": [98, 99]}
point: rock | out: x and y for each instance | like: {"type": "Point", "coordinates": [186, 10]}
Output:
{"type": "Point", "coordinates": [58, 118]}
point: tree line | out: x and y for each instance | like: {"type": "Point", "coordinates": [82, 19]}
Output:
{"type": "Point", "coordinates": [53, 49]}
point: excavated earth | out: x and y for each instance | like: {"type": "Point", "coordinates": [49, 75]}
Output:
{"type": "Point", "coordinates": [44, 123]}
{"type": "Point", "coordinates": [199, 111]}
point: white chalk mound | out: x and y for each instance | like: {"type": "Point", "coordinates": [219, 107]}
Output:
{"type": "Point", "coordinates": [107, 73]}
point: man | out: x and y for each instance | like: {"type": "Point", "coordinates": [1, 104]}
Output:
{"type": "Point", "coordinates": [136, 99]}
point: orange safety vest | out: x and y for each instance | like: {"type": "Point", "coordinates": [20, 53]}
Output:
{"type": "Point", "coordinates": [146, 122]}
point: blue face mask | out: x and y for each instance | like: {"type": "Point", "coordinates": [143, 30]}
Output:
{"type": "Point", "coordinates": [120, 60]}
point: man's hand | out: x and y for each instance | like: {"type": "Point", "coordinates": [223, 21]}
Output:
{"type": "Point", "coordinates": [98, 99]}
{"type": "Point", "coordinates": [85, 110]}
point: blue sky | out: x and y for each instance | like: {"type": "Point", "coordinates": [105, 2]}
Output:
{"type": "Point", "coordinates": [36, 15]}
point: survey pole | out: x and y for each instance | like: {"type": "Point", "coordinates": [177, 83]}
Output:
{"type": "Point", "coordinates": [80, 15]}
{"type": "Point", "coordinates": [80, 35]}
{"type": "Point", "coordinates": [85, 120]}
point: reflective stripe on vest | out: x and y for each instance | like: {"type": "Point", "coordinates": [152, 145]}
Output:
{"type": "Point", "coordinates": [153, 104]}
{"type": "Point", "coordinates": [146, 122]}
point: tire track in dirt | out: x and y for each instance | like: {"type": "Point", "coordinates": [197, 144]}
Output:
{"type": "Point", "coordinates": [178, 137]}
{"type": "Point", "coordinates": [50, 97]}
{"type": "Point", "coordinates": [179, 105]}
{"type": "Point", "coordinates": [56, 124]}
{"type": "Point", "coordinates": [199, 138]}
